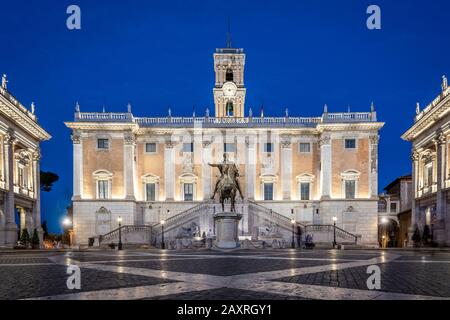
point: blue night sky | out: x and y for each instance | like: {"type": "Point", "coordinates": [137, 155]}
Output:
{"type": "Point", "coordinates": [155, 54]}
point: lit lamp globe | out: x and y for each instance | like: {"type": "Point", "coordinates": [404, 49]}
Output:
{"type": "Point", "coordinates": [119, 219]}
{"type": "Point", "coordinates": [335, 219]}
{"type": "Point", "coordinates": [293, 221]}
{"type": "Point", "coordinates": [67, 222]}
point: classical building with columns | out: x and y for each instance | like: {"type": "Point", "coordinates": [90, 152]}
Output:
{"type": "Point", "coordinates": [149, 170]}
{"type": "Point", "coordinates": [20, 137]}
{"type": "Point", "coordinates": [431, 168]}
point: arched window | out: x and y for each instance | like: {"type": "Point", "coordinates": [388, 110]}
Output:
{"type": "Point", "coordinates": [230, 109]}
{"type": "Point", "coordinates": [229, 76]}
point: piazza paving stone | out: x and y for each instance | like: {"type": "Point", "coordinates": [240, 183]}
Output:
{"type": "Point", "coordinates": [409, 278]}
{"type": "Point", "coordinates": [37, 281]}
{"type": "Point", "coordinates": [225, 294]}
{"type": "Point", "coordinates": [22, 260]}
{"type": "Point", "coordinates": [222, 266]}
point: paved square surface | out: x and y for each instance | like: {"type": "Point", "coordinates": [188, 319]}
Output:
{"type": "Point", "coordinates": [237, 275]}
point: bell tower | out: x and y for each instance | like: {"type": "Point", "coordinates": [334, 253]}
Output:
{"type": "Point", "coordinates": [229, 90]}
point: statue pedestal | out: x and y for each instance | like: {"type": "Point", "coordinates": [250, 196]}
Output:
{"type": "Point", "coordinates": [227, 230]}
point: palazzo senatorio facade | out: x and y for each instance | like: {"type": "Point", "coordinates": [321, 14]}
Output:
{"type": "Point", "coordinates": [20, 138]}
{"type": "Point", "coordinates": [430, 137]}
{"type": "Point", "coordinates": [149, 169]}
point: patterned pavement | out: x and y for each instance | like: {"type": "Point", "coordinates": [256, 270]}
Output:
{"type": "Point", "coordinates": [214, 275]}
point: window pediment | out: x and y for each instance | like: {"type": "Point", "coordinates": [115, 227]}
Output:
{"type": "Point", "coordinates": [305, 177]}
{"type": "Point", "coordinates": [150, 178]}
{"type": "Point", "coordinates": [350, 175]}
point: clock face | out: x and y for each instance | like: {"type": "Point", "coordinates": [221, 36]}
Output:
{"type": "Point", "coordinates": [229, 89]}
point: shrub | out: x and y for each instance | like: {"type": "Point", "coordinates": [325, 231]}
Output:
{"type": "Point", "coordinates": [25, 237]}
{"type": "Point", "coordinates": [35, 240]}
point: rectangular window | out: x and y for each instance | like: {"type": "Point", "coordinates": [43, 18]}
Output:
{"type": "Point", "coordinates": [188, 192]}
{"type": "Point", "coordinates": [150, 189]}
{"type": "Point", "coordinates": [393, 206]}
{"type": "Point", "coordinates": [268, 147]}
{"type": "Point", "coordinates": [103, 144]}
{"type": "Point", "coordinates": [268, 191]}
{"type": "Point", "coordinates": [188, 147]}
{"type": "Point", "coordinates": [150, 147]}
{"type": "Point", "coordinates": [229, 147]}
{"type": "Point", "coordinates": [429, 175]}
{"type": "Point", "coordinates": [102, 189]}
{"type": "Point", "coordinates": [305, 188]}
{"type": "Point", "coordinates": [21, 177]}
{"type": "Point", "coordinates": [350, 189]}
{"type": "Point", "coordinates": [305, 147]}
{"type": "Point", "coordinates": [350, 144]}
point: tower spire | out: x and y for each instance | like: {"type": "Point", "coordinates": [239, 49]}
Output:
{"type": "Point", "coordinates": [229, 33]}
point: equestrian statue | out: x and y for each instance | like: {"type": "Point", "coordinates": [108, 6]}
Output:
{"type": "Point", "coordinates": [227, 185]}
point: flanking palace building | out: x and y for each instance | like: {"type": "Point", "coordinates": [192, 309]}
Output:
{"type": "Point", "coordinates": [20, 138]}
{"type": "Point", "coordinates": [153, 171]}
{"type": "Point", "coordinates": [430, 137]}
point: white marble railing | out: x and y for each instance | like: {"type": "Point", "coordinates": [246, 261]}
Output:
{"type": "Point", "coordinates": [212, 121]}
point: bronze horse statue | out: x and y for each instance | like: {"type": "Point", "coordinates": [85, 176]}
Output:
{"type": "Point", "coordinates": [228, 185]}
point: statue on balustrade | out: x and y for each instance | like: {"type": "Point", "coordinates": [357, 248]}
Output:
{"type": "Point", "coordinates": [227, 185]}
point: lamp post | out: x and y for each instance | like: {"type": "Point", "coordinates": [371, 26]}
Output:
{"type": "Point", "coordinates": [334, 232]}
{"type": "Point", "coordinates": [120, 246]}
{"type": "Point", "coordinates": [67, 224]}
{"type": "Point", "coordinates": [163, 245]}
{"type": "Point", "coordinates": [384, 221]}
{"type": "Point", "coordinates": [293, 234]}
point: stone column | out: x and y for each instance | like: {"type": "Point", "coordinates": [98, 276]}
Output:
{"type": "Point", "coordinates": [326, 167]}
{"type": "Point", "coordinates": [169, 170]}
{"type": "Point", "coordinates": [77, 165]}
{"type": "Point", "coordinates": [250, 166]}
{"type": "Point", "coordinates": [441, 201]}
{"type": "Point", "coordinates": [206, 170]}
{"type": "Point", "coordinates": [37, 194]}
{"type": "Point", "coordinates": [129, 165]}
{"type": "Point", "coordinates": [373, 176]}
{"type": "Point", "coordinates": [10, 226]}
{"type": "Point", "coordinates": [415, 186]}
{"type": "Point", "coordinates": [286, 167]}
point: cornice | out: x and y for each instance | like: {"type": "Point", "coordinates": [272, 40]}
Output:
{"type": "Point", "coordinates": [428, 119]}
{"type": "Point", "coordinates": [110, 126]}
{"type": "Point", "coordinates": [350, 126]}
{"type": "Point", "coordinates": [23, 120]}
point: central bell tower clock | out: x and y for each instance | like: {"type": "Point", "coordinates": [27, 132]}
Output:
{"type": "Point", "coordinates": [229, 90]}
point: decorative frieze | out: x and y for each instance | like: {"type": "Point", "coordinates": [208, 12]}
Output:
{"type": "Point", "coordinates": [129, 138]}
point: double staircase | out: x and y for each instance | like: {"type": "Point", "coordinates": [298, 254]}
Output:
{"type": "Point", "coordinates": [147, 234]}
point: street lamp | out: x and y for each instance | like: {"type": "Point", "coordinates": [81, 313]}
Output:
{"type": "Point", "coordinates": [384, 222]}
{"type": "Point", "coordinates": [67, 224]}
{"type": "Point", "coordinates": [119, 220]}
{"type": "Point", "coordinates": [334, 232]}
{"type": "Point", "coordinates": [163, 245]}
{"type": "Point", "coordinates": [293, 233]}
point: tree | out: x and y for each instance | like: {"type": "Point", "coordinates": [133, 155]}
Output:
{"type": "Point", "coordinates": [47, 180]}
{"type": "Point", "coordinates": [35, 240]}
{"type": "Point", "coordinates": [25, 237]}
{"type": "Point", "coordinates": [45, 229]}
